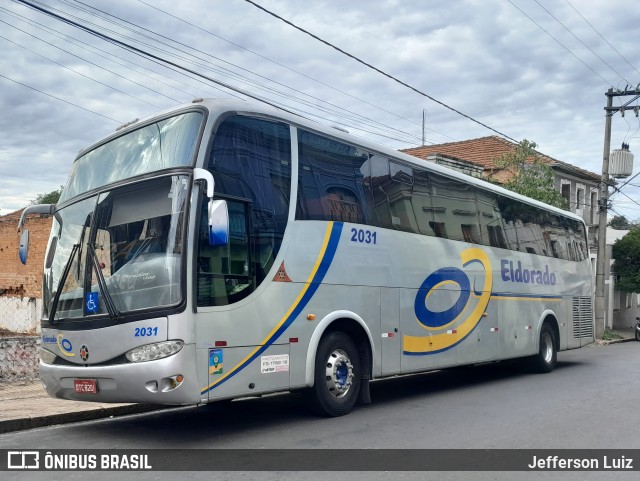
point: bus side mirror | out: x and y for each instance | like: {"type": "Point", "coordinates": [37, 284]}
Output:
{"type": "Point", "coordinates": [218, 223]}
{"type": "Point", "coordinates": [23, 250]}
{"type": "Point", "coordinates": [217, 211]}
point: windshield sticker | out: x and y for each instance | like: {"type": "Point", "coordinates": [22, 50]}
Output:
{"type": "Point", "coordinates": [145, 276]}
{"type": "Point", "coordinates": [215, 361]}
{"type": "Point", "coordinates": [91, 303]}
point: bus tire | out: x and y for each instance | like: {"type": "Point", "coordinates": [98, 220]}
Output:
{"type": "Point", "coordinates": [545, 360]}
{"type": "Point", "coordinates": [337, 376]}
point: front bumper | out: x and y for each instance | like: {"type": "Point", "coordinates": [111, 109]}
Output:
{"type": "Point", "coordinates": [144, 382]}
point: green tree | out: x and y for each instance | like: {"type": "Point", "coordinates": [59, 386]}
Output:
{"type": "Point", "coordinates": [619, 222]}
{"type": "Point", "coordinates": [626, 252]}
{"type": "Point", "coordinates": [50, 198]}
{"type": "Point", "coordinates": [530, 175]}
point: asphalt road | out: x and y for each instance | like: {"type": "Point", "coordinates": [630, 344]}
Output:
{"type": "Point", "coordinates": [588, 402]}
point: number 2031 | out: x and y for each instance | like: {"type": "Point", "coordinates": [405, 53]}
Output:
{"type": "Point", "coordinates": [363, 236]}
{"type": "Point", "coordinates": [146, 331]}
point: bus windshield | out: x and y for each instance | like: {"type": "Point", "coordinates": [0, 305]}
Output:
{"type": "Point", "coordinates": [118, 251]}
{"type": "Point", "coordinates": [164, 144]}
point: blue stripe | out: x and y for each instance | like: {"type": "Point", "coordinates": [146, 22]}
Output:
{"type": "Point", "coordinates": [323, 268]}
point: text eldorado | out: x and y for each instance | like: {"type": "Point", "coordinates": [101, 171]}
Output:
{"type": "Point", "coordinates": [527, 276]}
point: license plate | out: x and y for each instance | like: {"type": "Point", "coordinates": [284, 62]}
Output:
{"type": "Point", "coordinates": [85, 386]}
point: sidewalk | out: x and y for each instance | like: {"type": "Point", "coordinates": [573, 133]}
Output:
{"type": "Point", "coordinates": [623, 334]}
{"type": "Point", "coordinates": [26, 405]}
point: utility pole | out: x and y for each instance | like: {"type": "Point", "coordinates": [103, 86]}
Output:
{"type": "Point", "coordinates": [603, 203]}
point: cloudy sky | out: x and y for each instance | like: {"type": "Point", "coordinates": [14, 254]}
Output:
{"type": "Point", "coordinates": [534, 69]}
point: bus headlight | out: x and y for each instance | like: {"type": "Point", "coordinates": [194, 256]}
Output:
{"type": "Point", "coordinates": [152, 352]}
{"type": "Point", "coordinates": [47, 357]}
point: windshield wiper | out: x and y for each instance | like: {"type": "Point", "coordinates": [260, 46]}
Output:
{"type": "Point", "coordinates": [63, 279]}
{"type": "Point", "coordinates": [102, 284]}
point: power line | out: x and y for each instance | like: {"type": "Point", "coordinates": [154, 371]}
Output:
{"type": "Point", "coordinates": [75, 71]}
{"type": "Point", "coordinates": [632, 200]}
{"type": "Point", "coordinates": [338, 112]}
{"type": "Point", "coordinates": [165, 62]}
{"type": "Point", "coordinates": [288, 68]}
{"type": "Point", "coordinates": [139, 51]}
{"type": "Point", "coordinates": [105, 54]}
{"type": "Point", "coordinates": [61, 100]}
{"type": "Point", "coordinates": [579, 40]}
{"type": "Point", "coordinates": [378, 70]}
{"type": "Point", "coordinates": [108, 39]}
{"type": "Point", "coordinates": [557, 41]}
{"type": "Point", "coordinates": [603, 38]}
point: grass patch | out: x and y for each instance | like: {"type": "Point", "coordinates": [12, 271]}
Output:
{"type": "Point", "coordinates": [611, 336]}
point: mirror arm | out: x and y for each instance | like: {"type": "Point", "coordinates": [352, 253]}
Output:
{"type": "Point", "coordinates": [35, 209]}
{"type": "Point", "coordinates": [203, 174]}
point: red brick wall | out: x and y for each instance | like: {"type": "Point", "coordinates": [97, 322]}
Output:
{"type": "Point", "coordinates": [17, 279]}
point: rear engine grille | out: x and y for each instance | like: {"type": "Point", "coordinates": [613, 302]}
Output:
{"type": "Point", "coordinates": [582, 317]}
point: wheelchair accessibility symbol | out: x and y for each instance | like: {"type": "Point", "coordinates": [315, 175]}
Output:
{"type": "Point", "coordinates": [91, 303]}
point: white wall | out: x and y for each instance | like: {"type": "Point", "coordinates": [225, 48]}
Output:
{"type": "Point", "coordinates": [20, 315]}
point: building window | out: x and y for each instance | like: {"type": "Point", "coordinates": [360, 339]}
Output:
{"type": "Point", "coordinates": [438, 229]}
{"type": "Point", "coordinates": [468, 233]}
{"type": "Point", "coordinates": [580, 199]}
{"type": "Point", "coordinates": [566, 193]}
{"type": "Point", "coordinates": [496, 237]}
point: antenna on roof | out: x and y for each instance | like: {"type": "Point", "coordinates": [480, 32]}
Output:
{"type": "Point", "coordinates": [423, 114]}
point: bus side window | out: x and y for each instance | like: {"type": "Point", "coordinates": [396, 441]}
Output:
{"type": "Point", "coordinates": [250, 161]}
{"type": "Point", "coordinates": [491, 222]}
{"type": "Point", "coordinates": [454, 204]}
{"type": "Point", "coordinates": [331, 184]}
{"type": "Point", "coordinates": [392, 186]}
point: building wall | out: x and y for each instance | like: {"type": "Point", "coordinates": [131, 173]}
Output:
{"type": "Point", "coordinates": [21, 285]}
{"type": "Point", "coordinates": [583, 205]}
{"type": "Point", "coordinates": [626, 307]}
{"type": "Point", "coordinates": [19, 358]}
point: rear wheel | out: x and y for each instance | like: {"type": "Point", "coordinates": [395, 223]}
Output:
{"type": "Point", "coordinates": [545, 360]}
{"type": "Point", "coordinates": [637, 334]}
{"type": "Point", "coordinates": [337, 377]}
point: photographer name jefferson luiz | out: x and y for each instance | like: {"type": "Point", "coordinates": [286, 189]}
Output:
{"type": "Point", "coordinates": [557, 462]}
{"type": "Point", "coordinates": [515, 273]}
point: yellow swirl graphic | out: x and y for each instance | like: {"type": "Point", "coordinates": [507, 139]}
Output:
{"type": "Point", "coordinates": [61, 341]}
{"type": "Point", "coordinates": [433, 343]}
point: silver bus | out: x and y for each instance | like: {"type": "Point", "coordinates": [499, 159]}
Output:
{"type": "Point", "coordinates": [225, 249]}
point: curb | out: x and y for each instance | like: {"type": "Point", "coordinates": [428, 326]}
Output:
{"type": "Point", "coordinates": [602, 342]}
{"type": "Point", "coordinates": [22, 424]}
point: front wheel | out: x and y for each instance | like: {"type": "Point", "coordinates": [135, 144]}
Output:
{"type": "Point", "coordinates": [337, 376]}
{"type": "Point", "coordinates": [545, 360]}
{"type": "Point", "coordinates": [637, 334]}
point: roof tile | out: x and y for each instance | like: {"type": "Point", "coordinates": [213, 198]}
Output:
{"type": "Point", "coordinates": [482, 151]}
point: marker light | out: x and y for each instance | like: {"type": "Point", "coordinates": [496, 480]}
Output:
{"type": "Point", "coordinates": [152, 352]}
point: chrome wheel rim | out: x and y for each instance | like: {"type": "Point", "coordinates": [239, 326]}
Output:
{"type": "Point", "coordinates": [339, 373]}
{"type": "Point", "coordinates": [547, 348]}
